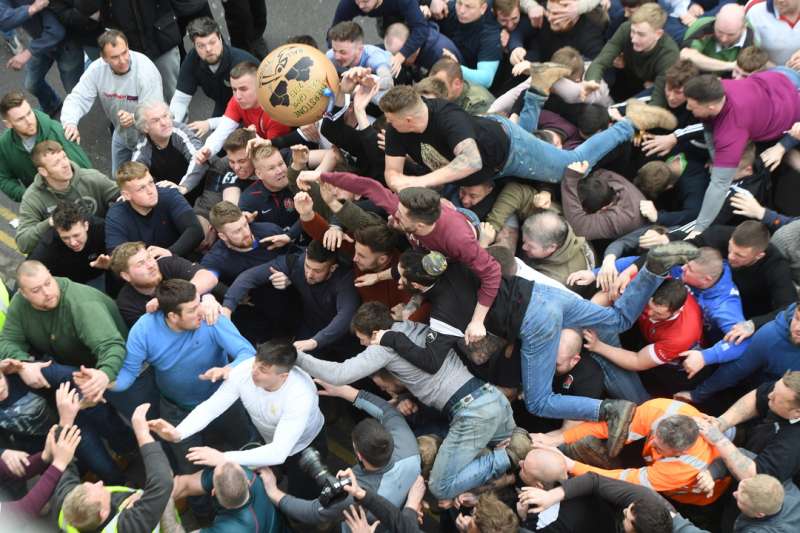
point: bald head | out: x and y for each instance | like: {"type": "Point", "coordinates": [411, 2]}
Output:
{"type": "Point", "coordinates": [543, 467]}
{"type": "Point", "coordinates": [729, 25]}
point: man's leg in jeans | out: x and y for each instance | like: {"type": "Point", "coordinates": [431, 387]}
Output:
{"type": "Point", "coordinates": [35, 82]}
{"type": "Point", "coordinates": [458, 467]}
{"type": "Point", "coordinates": [619, 317]}
{"type": "Point", "coordinates": [70, 64]}
{"type": "Point", "coordinates": [621, 383]}
{"type": "Point", "coordinates": [120, 153]}
{"type": "Point", "coordinates": [531, 109]}
{"type": "Point", "coordinates": [540, 335]}
{"type": "Point", "coordinates": [201, 505]}
{"type": "Point", "coordinates": [142, 390]}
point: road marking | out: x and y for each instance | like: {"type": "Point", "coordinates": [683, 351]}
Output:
{"type": "Point", "coordinates": [7, 214]}
{"type": "Point", "coordinates": [339, 451]}
{"type": "Point", "coordinates": [8, 240]}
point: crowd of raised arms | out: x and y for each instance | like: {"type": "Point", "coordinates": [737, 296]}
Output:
{"type": "Point", "coordinates": [536, 268]}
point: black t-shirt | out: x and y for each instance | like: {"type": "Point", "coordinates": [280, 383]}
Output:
{"type": "Point", "coordinates": [63, 262]}
{"type": "Point", "coordinates": [167, 163]}
{"type": "Point", "coordinates": [448, 125]}
{"type": "Point", "coordinates": [132, 303]}
{"type": "Point", "coordinates": [585, 379]}
{"type": "Point", "coordinates": [775, 440]}
{"type": "Point", "coordinates": [216, 84]}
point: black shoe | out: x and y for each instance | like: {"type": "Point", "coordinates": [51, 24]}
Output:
{"type": "Point", "coordinates": [661, 258]}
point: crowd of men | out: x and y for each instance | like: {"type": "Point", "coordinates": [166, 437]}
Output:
{"type": "Point", "coordinates": [539, 263]}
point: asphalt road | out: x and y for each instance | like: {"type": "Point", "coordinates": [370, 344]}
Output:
{"type": "Point", "coordinates": [285, 19]}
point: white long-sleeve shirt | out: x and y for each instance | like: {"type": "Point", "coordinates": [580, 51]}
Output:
{"type": "Point", "coordinates": [288, 419]}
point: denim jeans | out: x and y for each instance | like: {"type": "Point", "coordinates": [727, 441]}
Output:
{"type": "Point", "coordinates": [550, 310]}
{"type": "Point", "coordinates": [621, 383]}
{"type": "Point", "coordinates": [532, 158]}
{"type": "Point", "coordinates": [68, 56]}
{"type": "Point", "coordinates": [168, 65]}
{"type": "Point", "coordinates": [486, 420]}
{"type": "Point", "coordinates": [120, 152]}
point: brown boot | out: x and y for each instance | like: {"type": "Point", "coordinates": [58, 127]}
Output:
{"type": "Point", "coordinates": [647, 117]}
{"type": "Point", "coordinates": [617, 414]}
{"type": "Point", "coordinates": [518, 447]}
{"type": "Point", "coordinates": [663, 257]}
{"type": "Point", "coordinates": [591, 451]}
{"type": "Point", "coordinates": [544, 75]}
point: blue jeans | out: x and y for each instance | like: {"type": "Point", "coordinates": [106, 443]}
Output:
{"type": "Point", "coordinates": [488, 419]}
{"type": "Point", "coordinates": [532, 158]}
{"type": "Point", "coordinates": [120, 152]}
{"type": "Point", "coordinates": [551, 309]}
{"type": "Point", "coordinates": [621, 383]}
{"type": "Point", "coordinates": [68, 56]}
{"type": "Point", "coordinates": [793, 75]}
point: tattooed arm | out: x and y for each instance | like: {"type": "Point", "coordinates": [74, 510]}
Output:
{"type": "Point", "coordinates": [743, 410]}
{"type": "Point", "coordinates": [467, 161]}
{"type": "Point", "coordinates": [739, 465]}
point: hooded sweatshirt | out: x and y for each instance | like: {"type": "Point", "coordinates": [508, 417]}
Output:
{"type": "Point", "coordinates": [89, 188]}
{"type": "Point", "coordinates": [116, 92]}
{"type": "Point", "coordinates": [770, 354]}
{"type": "Point", "coordinates": [571, 256]}
{"type": "Point", "coordinates": [17, 169]}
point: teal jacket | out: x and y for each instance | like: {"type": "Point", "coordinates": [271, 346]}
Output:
{"type": "Point", "coordinates": [16, 168]}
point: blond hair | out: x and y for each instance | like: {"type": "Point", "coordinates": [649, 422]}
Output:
{"type": "Point", "coordinates": [129, 171]}
{"type": "Point", "coordinates": [262, 151]}
{"type": "Point", "coordinates": [764, 494]}
{"type": "Point", "coordinates": [79, 513]}
{"type": "Point", "coordinates": [651, 13]}
{"type": "Point", "coordinates": [122, 255]}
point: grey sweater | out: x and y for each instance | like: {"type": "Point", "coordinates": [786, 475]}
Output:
{"type": "Point", "coordinates": [431, 389]}
{"type": "Point", "coordinates": [142, 83]}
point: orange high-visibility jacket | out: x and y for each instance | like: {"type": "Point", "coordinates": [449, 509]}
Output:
{"type": "Point", "coordinates": [673, 477]}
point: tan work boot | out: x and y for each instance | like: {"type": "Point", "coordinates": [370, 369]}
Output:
{"type": "Point", "coordinates": [648, 117]}
{"type": "Point", "coordinates": [518, 447]}
{"type": "Point", "coordinates": [591, 451]}
{"type": "Point", "coordinates": [665, 256]}
{"type": "Point", "coordinates": [544, 75]}
{"type": "Point", "coordinates": [617, 414]}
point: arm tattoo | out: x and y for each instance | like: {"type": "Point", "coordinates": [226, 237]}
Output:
{"type": "Point", "coordinates": [467, 156]}
{"type": "Point", "coordinates": [741, 466]}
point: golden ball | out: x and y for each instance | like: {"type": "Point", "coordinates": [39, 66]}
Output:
{"type": "Point", "coordinates": [292, 82]}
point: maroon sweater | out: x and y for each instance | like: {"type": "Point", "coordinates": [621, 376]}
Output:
{"type": "Point", "coordinates": [33, 502]}
{"type": "Point", "coordinates": [452, 234]}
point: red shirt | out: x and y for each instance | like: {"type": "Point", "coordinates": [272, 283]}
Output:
{"type": "Point", "coordinates": [266, 128]}
{"type": "Point", "coordinates": [681, 332]}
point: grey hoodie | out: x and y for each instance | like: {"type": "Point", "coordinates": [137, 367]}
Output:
{"type": "Point", "coordinates": [142, 83]}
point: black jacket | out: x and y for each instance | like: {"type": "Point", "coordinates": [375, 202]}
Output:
{"type": "Point", "coordinates": [149, 25]}
{"type": "Point", "coordinates": [75, 15]}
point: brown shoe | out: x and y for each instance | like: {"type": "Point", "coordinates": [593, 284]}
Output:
{"type": "Point", "coordinates": [591, 451]}
{"type": "Point", "coordinates": [518, 447]}
{"type": "Point", "coordinates": [648, 117]}
{"type": "Point", "coordinates": [617, 414]}
{"type": "Point", "coordinates": [544, 75]}
{"type": "Point", "coordinates": [428, 448]}
{"type": "Point", "coordinates": [662, 258]}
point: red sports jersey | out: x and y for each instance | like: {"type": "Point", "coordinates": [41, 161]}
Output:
{"type": "Point", "coordinates": [266, 128]}
{"type": "Point", "coordinates": [668, 338]}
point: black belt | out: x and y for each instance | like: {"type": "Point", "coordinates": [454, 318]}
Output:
{"type": "Point", "coordinates": [470, 390]}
